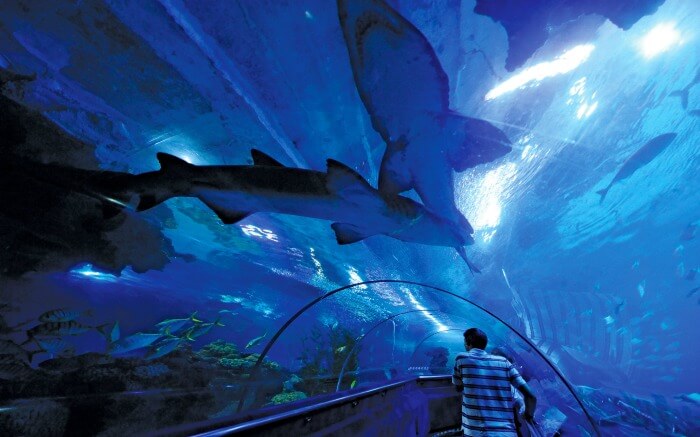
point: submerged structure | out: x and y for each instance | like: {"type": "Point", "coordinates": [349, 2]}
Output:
{"type": "Point", "coordinates": [280, 217]}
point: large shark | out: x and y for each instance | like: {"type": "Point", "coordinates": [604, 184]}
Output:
{"type": "Point", "coordinates": [406, 93]}
{"type": "Point", "coordinates": [340, 195]}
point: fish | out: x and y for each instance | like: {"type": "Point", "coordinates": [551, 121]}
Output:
{"type": "Point", "coordinates": [635, 265]}
{"type": "Point", "coordinates": [133, 342]}
{"type": "Point", "coordinates": [340, 195]}
{"type": "Point", "coordinates": [254, 342]}
{"type": "Point", "coordinates": [111, 335]}
{"type": "Point", "coordinates": [340, 350]}
{"type": "Point", "coordinates": [405, 91]}
{"type": "Point", "coordinates": [62, 315]}
{"type": "Point", "coordinates": [639, 159]}
{"type": "Point", "coordinates": [353, 383]}
{"type": "Point", "coordinates": [10, 348]}
{"type": "Point", "coordinates": [689, 232]}
{"type": "Point", "coordinates": [679, 250]}
{"type": "Point", "coordinates": [619, 306]}
{"type": "Point", "coordinates": [165, 347]}
{"type": "Point", "coordinates": [201, 329]}
{"type": "Point", "coordinates": [641, 287]}
{"type": "Point", "coordinates": [693, 398]}
{"type": "Point", "coordinates": [693, 291]}
{"type": "Point", "coordinates": [680, 270]}
{"type": "Point", "coordinates": [56, 346]}
{"type": "Point", "coordinates": [56, 329]}
{"type": "Point", "coordinates": [175, 324]}
{"type": "Point", "coordinates": [683, 92]}
{"type": "Point", "coordinates": [692, 273]}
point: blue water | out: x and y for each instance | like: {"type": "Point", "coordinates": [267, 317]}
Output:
{"type": "Point", "coordinates": [603, 289]}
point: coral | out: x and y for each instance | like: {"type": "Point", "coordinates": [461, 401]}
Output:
{"type": "Point", "coordinates": [289, 396]}
{"type": "Point", "coordinates": [216, 350]}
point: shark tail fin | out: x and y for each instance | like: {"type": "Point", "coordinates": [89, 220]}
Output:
{"type": "Point", "coordinates": [347, 234]}
{"type": "Point", "coordinates": [603, 193]}
{"type": "Point", "coordinates": [472, 267]}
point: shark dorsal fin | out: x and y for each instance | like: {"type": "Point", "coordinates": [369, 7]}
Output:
{"type": "Point", "coordinates": [342, 179]}
{"type": "Point", "coordinates": [170, 163]}
{"type": "Point", "coordinates": [260, 158]}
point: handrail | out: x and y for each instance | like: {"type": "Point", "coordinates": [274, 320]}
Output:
{"type": "Point", "coordinates": [254, 372]}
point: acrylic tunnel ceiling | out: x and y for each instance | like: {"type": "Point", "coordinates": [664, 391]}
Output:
{"type": "Point", "coordinates": [564, 134]}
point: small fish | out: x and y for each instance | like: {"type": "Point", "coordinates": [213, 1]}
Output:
{"type": "Point", "coordinates": [201, 329]}
{"type": "Point", "coordinates": [689, 232]}
{"type": "Point", "coordinates": [619, 306]}
{"type": "Point", "coordinates": [353, 383]}
{"type": "Point", "coordinates": [641, 287]}
{"type": "Point", "coordinates": [692, 273]}
{"type": "Point", "coordinates": [133, 342]}
{"type": "Point", "coordinates": [174, 324]}
{"type": "Point", "coordinates": [678, 251]}
{"type": "Point", "coordinates": [111, 335]}
{"type": "Point", "coordinates": [609, 320]}
{"type": "Point", "coordinates": [340, 350]}
{"type": "Point", "coordinates": [635, 265]}
{"type": "Point", "coordinates": [639, 159]}
{"type": "Point", "coordinates": [164, 347]}
{"type": "Point", "coordinates": [254, 342]}
{"type": "Point", "coordinates": [588, 312]}
{"type": "Point", "coordinates": [55, 346]}
{"type": "Point", "coordinates": [10, 348]}
{"type": "Point", "coordinates": [63, 315]}
{"type": "Point", "coordinates": [56, 329]}
{"type": "Point", "coordinates": [680, 269]}
{"type": "Point", "coordinates": [636, 341]}
{"type": "Point", "coordinates": [693, 398]}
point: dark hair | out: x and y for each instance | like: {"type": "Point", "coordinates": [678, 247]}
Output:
{"type": "Point", "coordinates": [475, 337]}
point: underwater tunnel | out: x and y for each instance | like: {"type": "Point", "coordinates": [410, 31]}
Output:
{"type": "Point", "coordinates": [282, 217]}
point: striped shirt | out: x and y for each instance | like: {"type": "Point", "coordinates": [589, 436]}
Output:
{"type": "Point", "coordinates": [487, 397]}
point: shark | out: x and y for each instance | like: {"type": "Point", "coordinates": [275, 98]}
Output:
{"type": "Point", "coordinates": [340, 195]}
{"type": "Point", "coordinates": [405, 91]}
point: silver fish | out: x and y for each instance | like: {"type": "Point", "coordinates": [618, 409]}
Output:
{"type": "Point", "coordinates": [254, 342]}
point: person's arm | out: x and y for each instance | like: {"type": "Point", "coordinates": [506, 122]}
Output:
{"type": "Point", "coordinates": [519, 383]}
{"type": "Point", "coordinates": [530, 401]}
{"type": "Point", "coordinates": [457, 377]}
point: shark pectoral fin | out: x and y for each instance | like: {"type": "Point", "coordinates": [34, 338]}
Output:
{"type": "Point", "coordinates": [110, 210]}
{"type": "Point", "coordinates": [394, 172]}
{"type": "Point", "coordinates": [346, 233]}
{"type": "Point", "coordinates": [148, 201]}
{"type": "Point", "coordinates": [260, 158]}
{"type": "Point", "coordinates": [227, 216]}
{"type": "Point", "coordinates": [472, 141]}
{"type": "Point", "coordinates": [348, 184]}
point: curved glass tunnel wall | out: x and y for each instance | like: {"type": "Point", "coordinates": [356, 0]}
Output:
{"type": "Point", "coordinates": [368, 347]}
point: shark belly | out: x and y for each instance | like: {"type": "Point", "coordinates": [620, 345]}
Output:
{"type": "Point", "coordinates": [324, 207]}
